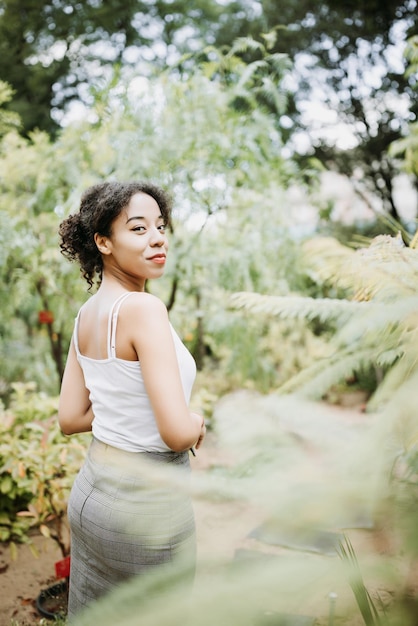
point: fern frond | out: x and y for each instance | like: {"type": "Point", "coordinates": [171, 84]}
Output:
{"type": "Point", "coordinates": [370, 335]}
{"type": "Point", "coordinates": [281, 61]}
{"type": "Point", "coordinates": [298, 307]}
{"type": "Point", "coordinates": [379, 322]}
{"type": "Point", "coordinates": [325, 259]}
{"type": "Point", "coordinates": [378, 327]}
{"type": "Point", "coordinates": [399, 373]}
{"type": "Point", "coordinates": [269, 93]}
{"type": "Point", "coordinates": [386, 268]}
{"type": "Point", "coordinates": [244, 44]}
{"type": "Point", "coordinates": [250, 71]}
{"type": "Point", "coordinates": [315, 380]}
{"type": "Point", "coordinates": [389, 357]}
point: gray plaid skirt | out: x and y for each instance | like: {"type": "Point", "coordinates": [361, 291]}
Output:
{"type": "Point", "coordinates": [126, 519]}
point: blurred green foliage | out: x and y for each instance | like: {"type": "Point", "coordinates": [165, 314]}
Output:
{"type": "Point", "coordinates": [372, 334]}
{"type": "Point", "coordinates": [321, 312]}
{"type": "Point", "coordinates": [37, 467]}
{"type": "Point", "coordinates": [224, 168]}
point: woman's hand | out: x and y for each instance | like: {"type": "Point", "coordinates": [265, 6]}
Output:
{"type": "Point", "coordinates": [202, 429]}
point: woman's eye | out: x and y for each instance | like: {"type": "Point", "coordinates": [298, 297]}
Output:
{"type": "Point", "coordinates": [142, 229]}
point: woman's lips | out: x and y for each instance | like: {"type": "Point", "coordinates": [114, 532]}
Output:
{"type": "Point", "coordinates": [159, 259]}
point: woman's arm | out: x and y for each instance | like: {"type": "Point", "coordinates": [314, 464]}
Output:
{"type": "Point", "coordinates": [75, 414]}
{"type": "Point", "coordinates": [152, 339]}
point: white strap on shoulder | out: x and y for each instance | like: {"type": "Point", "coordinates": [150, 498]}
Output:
{"type": "Point", "coordinates": [113, 321]}
{"type": "Point", "coordinates": [75, 333]}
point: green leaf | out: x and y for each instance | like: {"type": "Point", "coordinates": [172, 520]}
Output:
{"type": "Point", "coordinates": [6, 484]}
{"type": "Point", "coordinates": [5, 519]}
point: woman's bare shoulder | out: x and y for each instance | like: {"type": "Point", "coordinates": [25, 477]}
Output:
{"type": "Point", "coordinates": [144, 304]}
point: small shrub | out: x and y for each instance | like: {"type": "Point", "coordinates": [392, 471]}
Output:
{"type": "Point", "coordinates": [37, 467]}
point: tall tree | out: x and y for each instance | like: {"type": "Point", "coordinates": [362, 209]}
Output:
{"type": "Point", "coordinates": [46, 46]}
{"type": "Point", "coordinates": [348, 55]}
{"type": "Point", "coordinates": [345, 55]}
{"type": "Point", "coordinates": [52, 50]}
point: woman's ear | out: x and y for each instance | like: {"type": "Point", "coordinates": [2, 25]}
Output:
{"type": "Point", "coordinates": [102, 243]}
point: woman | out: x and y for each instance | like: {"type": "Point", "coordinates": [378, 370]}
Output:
{"type": "Point", "coordinates": [128, 378]}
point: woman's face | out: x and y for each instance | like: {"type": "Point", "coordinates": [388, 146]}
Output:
{"type": "Point", "coordinates": [137, 247]}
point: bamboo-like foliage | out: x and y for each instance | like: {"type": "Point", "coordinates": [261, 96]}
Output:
{"type": "Point", "coordinates": [364, 600]}
{"type": "Point", "coordinates": [375, 322]}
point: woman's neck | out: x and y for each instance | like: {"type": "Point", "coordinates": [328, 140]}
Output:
{"type": "Point", "coordinates": [111, 282]}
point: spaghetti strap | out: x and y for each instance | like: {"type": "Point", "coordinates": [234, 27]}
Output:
{"type": "Point", "coordinates": [112, 324]}
{"type": "Point", "coordinates": [75, 334]}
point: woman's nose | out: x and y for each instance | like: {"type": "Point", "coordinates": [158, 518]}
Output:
{"type": "Point", "coordinates": [157, 238]}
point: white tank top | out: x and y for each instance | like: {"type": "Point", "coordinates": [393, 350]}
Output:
{"type": "Point", "coordinates": [123, 416]}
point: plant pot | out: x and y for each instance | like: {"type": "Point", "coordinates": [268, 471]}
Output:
{"type": "Point", "coordinates": [52, 602]}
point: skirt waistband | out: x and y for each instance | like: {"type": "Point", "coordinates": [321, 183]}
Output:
{"type": "Point", "coordinates": [104, 452]}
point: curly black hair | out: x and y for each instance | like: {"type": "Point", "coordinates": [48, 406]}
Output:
{"type": "Point", "coordinates": [100, 205]}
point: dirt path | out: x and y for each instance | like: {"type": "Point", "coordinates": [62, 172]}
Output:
{"type": "Point", "coordinates": [22, 579]}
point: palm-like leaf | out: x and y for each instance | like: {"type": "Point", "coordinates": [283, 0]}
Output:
{"type": "Point", "coordinates": [365, 603]}
{"type": "Point", "coordinates": [386, 269]}
{"type": "Point", "coordinates": [297, 307]}
{"type": "Point", "coordinates": [374, 324]}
